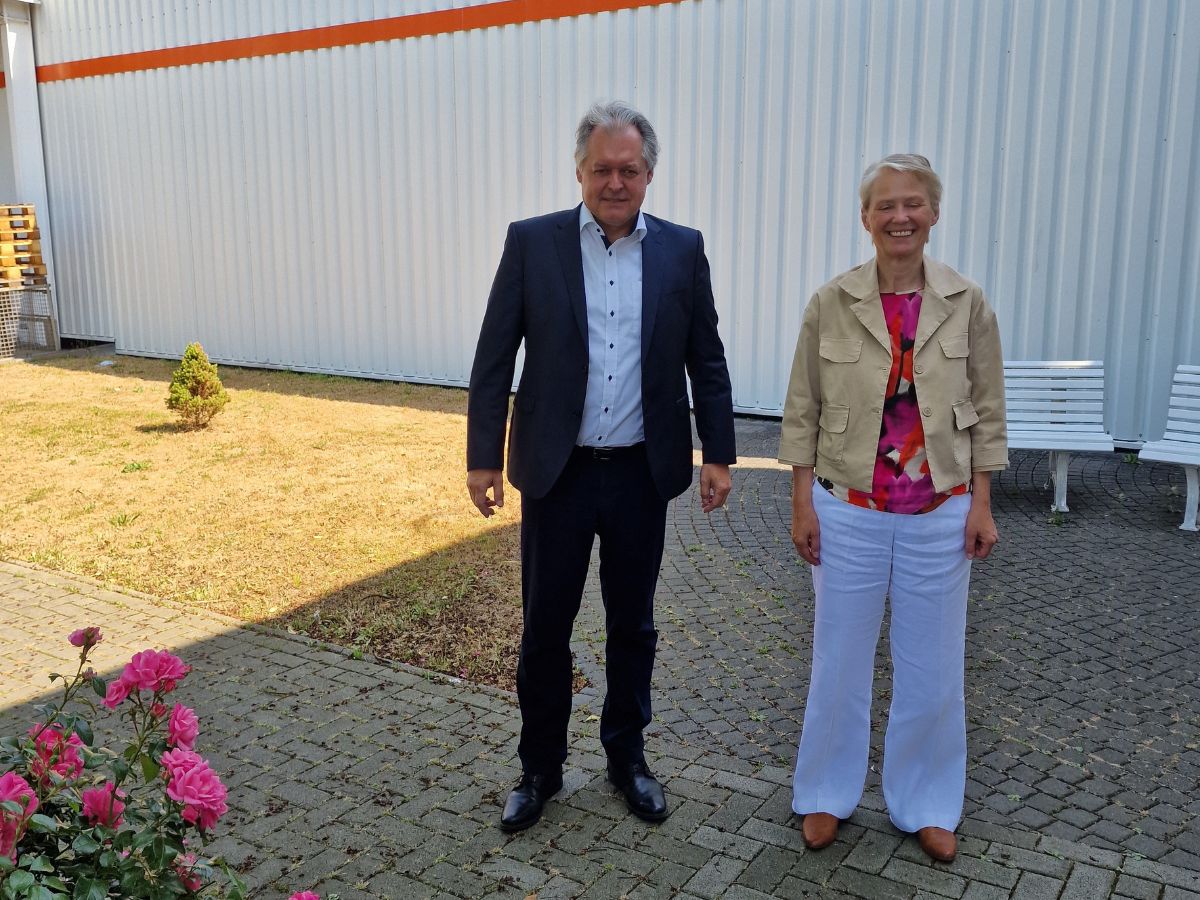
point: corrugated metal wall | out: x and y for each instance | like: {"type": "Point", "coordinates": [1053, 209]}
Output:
{"type": "Point", "coordinates": [343, 210]}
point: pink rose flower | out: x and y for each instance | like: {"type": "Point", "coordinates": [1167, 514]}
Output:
{"type": "Point", "coordinates": [154, 670]}
{"type": "Point", "coordinates": [158, 710]}
{"type": "Point", "coordinates": [103, 806]}
{"type": "Point", "coordinates": [305, 895]}
{"type": "Point", "coordinates": [180, 760]}
{"type": "Point", "coordinates": [202, 795]}
{"type": "Point", "coordinates": [183, 727]}
{"type": "Point", "coordinates": [86, 637]}
{"type": "Point", "coordinates": [117, 692]}
{"type": "Point", "coordinates": [14, 787]}
{"type": "Point", "coordinates": [185, 868]}
{"type": "Point", "coordinates": [54, 754]}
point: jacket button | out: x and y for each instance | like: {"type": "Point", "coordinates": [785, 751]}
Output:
{"type": "Point", "coordinates": [918, 369]}
{"type": "Point", "coordinates": [927, 411]}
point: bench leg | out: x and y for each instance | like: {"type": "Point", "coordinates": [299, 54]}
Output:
{"type": "Point", "coordinates": [1192, 473]}
{"type": "Point", "coordinates": [1059, 459]}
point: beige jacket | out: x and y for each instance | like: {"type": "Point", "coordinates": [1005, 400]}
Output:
{"type": "Point", "coordinates": [834, 406]}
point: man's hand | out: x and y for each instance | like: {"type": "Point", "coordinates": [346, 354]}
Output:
{"type": "Point", "coordinates": [715, 484]}
{"type": "Point", "coordinates": [479, 481]}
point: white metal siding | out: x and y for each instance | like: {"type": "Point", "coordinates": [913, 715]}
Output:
{"type": "Point", "coordinates": [343, 210]}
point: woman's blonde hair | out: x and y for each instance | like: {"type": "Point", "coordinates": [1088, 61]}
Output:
{"type": "Point", "coordinates": [903, 162]}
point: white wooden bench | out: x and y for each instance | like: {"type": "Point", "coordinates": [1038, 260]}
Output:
{"type": "Point", "coordinates": [1056, 406]}
{"type": "Point", "coordinates": [1181, 442]}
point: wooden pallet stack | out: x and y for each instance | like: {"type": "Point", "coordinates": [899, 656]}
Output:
{"type": "Point", "coordinates": [21, 263]}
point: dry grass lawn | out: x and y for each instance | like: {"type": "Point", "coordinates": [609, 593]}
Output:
{"type": "Point", "coordinates": [333, 506]}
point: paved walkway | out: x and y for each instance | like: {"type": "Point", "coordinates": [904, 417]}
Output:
{"type": "Point", "coordinates": [373, 780]}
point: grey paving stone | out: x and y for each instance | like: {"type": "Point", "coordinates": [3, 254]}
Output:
{"type": "Point", "coordinates": [1032, 886]}
{"type": "Point", "coordinates": [1087, 883]}
{"type": "Point", "coordinates": [715, 877]}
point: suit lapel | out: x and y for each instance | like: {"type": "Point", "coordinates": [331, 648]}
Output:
{"type": "Point", "coordinates": [652, 258]}
{"type": "Point", "coordinates": [571, 258]}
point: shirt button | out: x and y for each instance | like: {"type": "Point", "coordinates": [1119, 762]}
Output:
{"type": "Point", "coordinates": [927, 411]}
{"type": "Point", "coordinates": [610, 378]}
{"type": "Point", "coordinates": [606, 409]}
{"type": "Point", "coordinates": [610, 346]}
{"type": "Point", "coordinates": [612, 312]}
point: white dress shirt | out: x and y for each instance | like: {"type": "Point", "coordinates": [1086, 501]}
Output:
{"type": "Point", "coordinates": [612, 283]}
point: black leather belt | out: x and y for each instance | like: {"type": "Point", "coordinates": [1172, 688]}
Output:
{"type": "Point", "coordinates": [606, 453]}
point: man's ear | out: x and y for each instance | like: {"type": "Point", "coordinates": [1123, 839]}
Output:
{"type": "Point", "coordinates": [578, 175]}
{"type": "Point", "coordinates": [649, 176]}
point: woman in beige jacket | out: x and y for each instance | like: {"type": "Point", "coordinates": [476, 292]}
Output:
{"type": "Point", "coordinates": [896, 406]}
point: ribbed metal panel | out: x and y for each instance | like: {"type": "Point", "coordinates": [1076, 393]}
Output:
{"type": "Point", "coordinates": [343, 210]}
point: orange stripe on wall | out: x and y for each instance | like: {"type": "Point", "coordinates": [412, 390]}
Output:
{"type": "Point", "coordinates": [448, 21]}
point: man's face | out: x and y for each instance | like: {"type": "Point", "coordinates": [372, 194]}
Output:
{"type": "Point", "coordinates": [614, 179]}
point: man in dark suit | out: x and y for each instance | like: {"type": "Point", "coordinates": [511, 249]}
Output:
{"type": "Point", "coordinates": [614, 307]}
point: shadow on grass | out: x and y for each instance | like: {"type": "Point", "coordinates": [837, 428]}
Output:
{"type": "Point", "coordinates": [456, 610]}
{"type": "Point", "coordinates": [352, 389]}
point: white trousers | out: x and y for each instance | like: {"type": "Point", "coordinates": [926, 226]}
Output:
{"type": "Point", "coordinates": [920, 562]}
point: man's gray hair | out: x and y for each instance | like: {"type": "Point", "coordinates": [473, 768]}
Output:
{"type": "Point", "coordinates": [616, 115]}
{"type": "Point", "coordinates": [903, 162]}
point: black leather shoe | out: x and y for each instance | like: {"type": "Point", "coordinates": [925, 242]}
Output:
{"type": "Point", "coordinates": [524, 804]}
{"type": "Point", "coordinates": [642, 791]}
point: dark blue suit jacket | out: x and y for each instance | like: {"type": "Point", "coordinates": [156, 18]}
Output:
{"type": "Point", "coordinates": [538, 297]}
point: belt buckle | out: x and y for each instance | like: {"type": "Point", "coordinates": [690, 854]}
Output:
{"type": "Point", "coordinates": [604, 454]}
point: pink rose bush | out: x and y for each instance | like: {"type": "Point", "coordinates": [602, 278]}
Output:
{"type": "Point", "coordinates": [304, 895]}
{"type": "Point", "coordinates": [79, 820]}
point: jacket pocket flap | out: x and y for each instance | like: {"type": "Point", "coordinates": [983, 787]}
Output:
{"type": "Point", "coordinates": [964, 414]}
{"type": "Point", "coordinates": [834, 418]}
{"type": "Point", "coordinates": [955, 346]}
{"type": "Point", "coordinates": [840, 350]}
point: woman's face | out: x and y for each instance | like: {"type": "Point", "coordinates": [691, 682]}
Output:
{"type": "Point", "coordinates": [898, 215]}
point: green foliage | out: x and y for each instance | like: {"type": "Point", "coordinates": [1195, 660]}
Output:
{"type": "Point", "coordinates": [196, 390]}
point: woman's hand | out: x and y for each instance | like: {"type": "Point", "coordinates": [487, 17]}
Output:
{"type": "Point", "coordinates": [981, 534]}
{"type": "Point", "coordinates": [806, 529]}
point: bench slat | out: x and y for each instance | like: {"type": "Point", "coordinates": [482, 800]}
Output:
{"type": "Point", "coordinates": [1058, 375]}
{"type": "Point", "coordinates": [1171, 451]}
{"type": "Point", "coordinates": [1066, 404]}
{"type": "Point", "coordinates": [1054, 364]}
{"type": "Point", "coordinates": [1057, 418]}
{"type": "Point", "coordinates": [1039, 392]}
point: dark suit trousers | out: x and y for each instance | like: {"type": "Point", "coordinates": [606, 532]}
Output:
{"type": "Point", "coordinates": [616, 500]}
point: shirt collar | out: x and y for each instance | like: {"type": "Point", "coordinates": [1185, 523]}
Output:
{"type": "Point", "coordinates": [586, 218]}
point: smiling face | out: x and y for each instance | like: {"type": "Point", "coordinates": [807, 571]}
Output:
{"type": "Point", "coordinates": [898, 215]}
{"type": "Point", "coordinates": [614, 179]}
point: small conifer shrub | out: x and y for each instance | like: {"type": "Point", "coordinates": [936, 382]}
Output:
{"type": "Point", "coordinates": [196, 391]}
